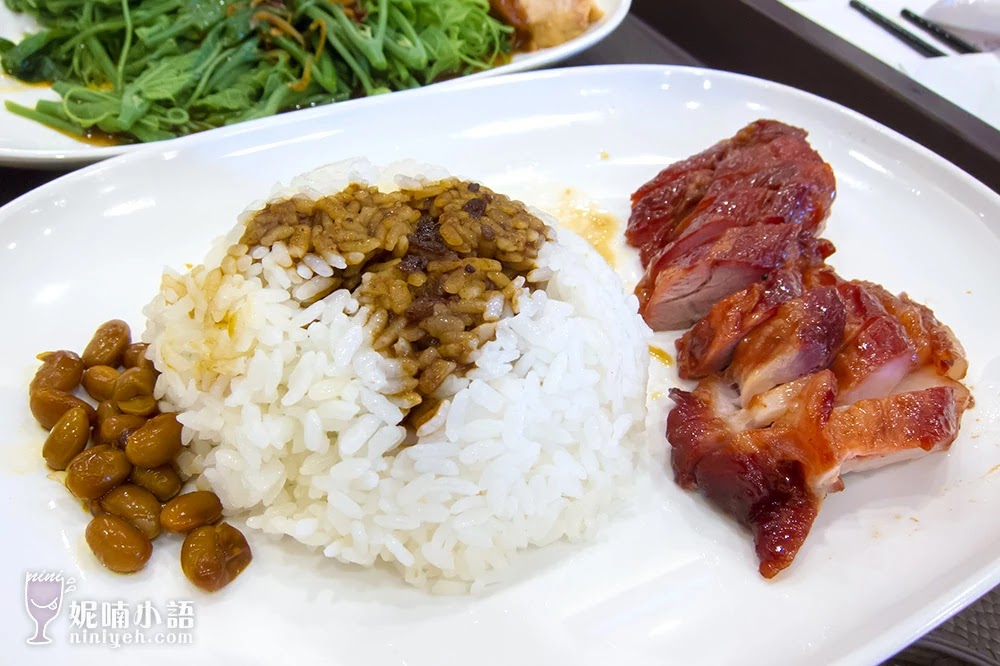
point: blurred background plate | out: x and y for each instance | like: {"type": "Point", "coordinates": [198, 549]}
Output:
{"type": "Point", "coordinates": [28, 144]}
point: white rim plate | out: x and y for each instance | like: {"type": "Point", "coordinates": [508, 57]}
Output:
{"type": "Point", "coordinates": [29, 144]}
{"type": "Point", "coordinates": [669, 580]}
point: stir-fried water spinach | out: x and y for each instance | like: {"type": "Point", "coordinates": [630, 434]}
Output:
{"type": "Point", "coordinates": [146, 70]}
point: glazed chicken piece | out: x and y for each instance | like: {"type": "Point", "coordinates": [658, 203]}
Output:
{"type": "Point", "coordinates": [877, 352]}
{"type": "Point", "coordinates": [936, 344]}
{"type": "Point", "coordinates": [708, 346]}
{"type": "Point", "coordinates": [874, 361]}
{"type": "Point", "coordinates": [804, 375]}
{"type": "Point", "coordinates": [837, 324]}
{"type": "Point", "coordinates": [663, 202]}
{"type": "Point", "coordinates": [879, 431]}
{"type": "Point", "coordinates": [770, 466]}
{"type": "Point", "coordinates": [771, 478]}
{"type": "Point", "coordinates": [678, 290]}
{"type": "Point", "coordinates": [888, 339]}
{"type": "Point", "coordinates": [767, 174]}
{"type": "Point", "coordinates": [544, 23]}
{"type": "Point", "coordinates": [874, 343]}
{"type": "Point", "coordinates": [802, 337]}
{"type": "Point", "coordinates": [844, 377]}
{"type": "Point", "coordinates": [877, 349]}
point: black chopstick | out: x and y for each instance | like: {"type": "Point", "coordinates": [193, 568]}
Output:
{"type": "Point", "coordinates": [939, 32]}
{"type": "Point", "coordinates": [903, 35]}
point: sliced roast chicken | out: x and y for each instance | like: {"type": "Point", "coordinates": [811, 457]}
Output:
{"type": "Point", "coordinates": [714, 223]}
{"type": "Point", "coordinates": [803, 375]}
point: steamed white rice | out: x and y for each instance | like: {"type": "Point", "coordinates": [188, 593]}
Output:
{"type": "Point", "coordinates": [287, 414]}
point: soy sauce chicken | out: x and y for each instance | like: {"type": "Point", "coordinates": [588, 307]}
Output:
{"type": "Point", "coordinates": [804, 375]}
{"type": "Point", "coordinates": [822, 387]}
{"type": "Point", "coordinates": [712, 224]}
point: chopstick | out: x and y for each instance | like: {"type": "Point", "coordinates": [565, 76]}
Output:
{"type": "Point", "coordinates": [939, 32]}
{"type": "Point", "coordinates": [903, 35]}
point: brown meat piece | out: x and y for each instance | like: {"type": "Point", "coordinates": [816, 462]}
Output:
{"type": "Point", "coordinates": [804, 375]}
{"type": "Point", "coordinates": [845, 377]}
{"type": "Point", "coordinates": [766, 175]}
{"type": "Point", "coordinates": [678, 290]}
{"type": "Point", "coordinates": [770, 479]}
{"type": "Point", "coordinates": [708, 346]}
{"type": "Point", "coordinates": [802, 338]}
{"type": "Point", "coordinates": [544, 23]}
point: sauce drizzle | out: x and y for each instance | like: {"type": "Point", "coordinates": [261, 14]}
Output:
{"type": "Point", "coordinates": [661, 355]}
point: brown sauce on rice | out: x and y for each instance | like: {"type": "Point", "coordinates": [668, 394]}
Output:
{"type": "Point", "coordinates": [437, 267]}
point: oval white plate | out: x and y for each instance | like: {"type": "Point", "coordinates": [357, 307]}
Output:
{"type": "Point", "coordinates": [670, 580]}
{"type": "Point", "coordinates": [29, 144]}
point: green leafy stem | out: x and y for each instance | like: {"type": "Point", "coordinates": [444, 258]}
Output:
{"type": "Point", "coordinates": [146, 70]}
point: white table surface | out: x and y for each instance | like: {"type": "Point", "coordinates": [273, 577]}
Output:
{"type": "Point", "coordinates": [970, 81]}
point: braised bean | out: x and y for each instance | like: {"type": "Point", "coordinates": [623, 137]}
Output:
{"type": "Point", "coordinates": [143, 405]}
{"type": "Point", "coordinates": [105, 408]}
{"type": "Point", "coordinates": [136, 505]}
{"type": "Point", "coordinates": [163, 481]}
{"type": "Point", "coordinates": [213, 555]}
{"type": "Point", "coordinates": [61, 370]}
{"type": "Point", "coordinates": [133, 392]}
{"type": "Point", "coordinates": [96, 470]}
{"type": "Point", "coordinates": [99, 381]}
{"type": "Point", "coordinates": [48, 405]}
{"type": "Point", "coordinates": [156, 443]}
{"type": "Point", "coordinates": [118, 544]}
{"type": "Point", "coordinates": [133, 383]}
{"type": "Point", "coordinates": [108, 344]}
{"type": "Point", "coordinates": [68, 437]}
{"type": "Point", "coordinates": [190, 510]}
{"type": "Point", "coordinates": [116, 428]}
{"type": "Point", "coordinates": [135, 356]}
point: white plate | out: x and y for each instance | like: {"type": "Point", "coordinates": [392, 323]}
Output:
{"type": "Point", "coordinates": [670, 581]}
{"type": "Point", "coordinates": [29, 144]}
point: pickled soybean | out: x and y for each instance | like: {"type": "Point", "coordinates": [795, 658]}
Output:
{"type": "Point", "coordinates": [99, 381]}
{"type": "Point", "coordinates": [105, 409]}
{"type": "Point", "coordinates": [135, 356]}
{"type": "Point", "coordinates": [136, 505]}
{"type": "Point", "coordinates": [191, 510]}
{"type": "Point", "coordinates": [156, 443]}
{"type": "Point", "coordinates": [129, 471]}
{"type": "Point", "coordinates": [68, 437]}
{"type": "Point", "coordinates": [133, 391]}
{"type": "Point", "coordinates": [213, 555]}
{"type": "Point", "coordinates": [163, 481]}
{"type": "Point", "coordinates": [96, 470]}
{"type": "Point", "coordinates": [107, 347]}
{"type": "Point", "coordinates": [116, 428]}
{"type": "Point", "coordinates": [61, 370]}
{"type": "Point", "coordinates": [48, 405]}
{"type": "Point", "coordinates": [118, 545]}
{"type": "Point", "coordinates": [143, 405]}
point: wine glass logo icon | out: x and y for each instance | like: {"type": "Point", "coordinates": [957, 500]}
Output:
{"type": "Point", "coordinates": [43, 594]}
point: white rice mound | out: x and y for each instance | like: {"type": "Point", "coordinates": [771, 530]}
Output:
{"type": "Point", "coordinates": [287, 417]}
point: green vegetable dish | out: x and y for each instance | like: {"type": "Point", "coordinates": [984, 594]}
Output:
{"type": "Point", "coordinates": [146, 70]}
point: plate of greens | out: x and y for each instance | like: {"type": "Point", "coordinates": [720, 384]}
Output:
{"type": "Point", "coordinates": [83, 80]}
